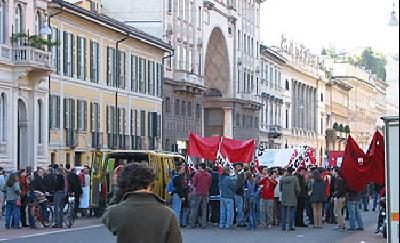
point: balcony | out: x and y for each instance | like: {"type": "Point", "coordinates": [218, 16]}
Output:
{"type": "Point", "coordinates": [32, 57]}
{"type": "Point", "coordinates": [274, 131]}
{"type": "Point", "coordinates": [97, 140]}
{"type": "Point", "coordinates": [71, 138]}
{"type": "Point", "coordinates": [187, 82]}
{"type": "Point", "coordinates": [5, 53]}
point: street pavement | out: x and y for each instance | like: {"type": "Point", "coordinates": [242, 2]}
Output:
{"type": "Point", "coordinates": [91, 230]}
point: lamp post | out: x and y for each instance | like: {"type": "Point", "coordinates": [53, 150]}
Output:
{"type": "Point", "coordinates": [393, 22]}
{"type": "Point", "coordinates": [117, 59]}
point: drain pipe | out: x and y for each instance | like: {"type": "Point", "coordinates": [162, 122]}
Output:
{"type": "Point", "coordinates": [169, 56]}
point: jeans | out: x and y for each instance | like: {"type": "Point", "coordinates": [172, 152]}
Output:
{"type": "Point", "coordinates": [226, 213]}
{"type": "Point", "coordinates": [257, 207]}
{"type": "Point", "coordinates": [184, 216]}
{"type": "Point", "coordinates": [354, 215]}
{"type": "Point", "coordinates": [215, 210]}
{"type": "Point", "coordinates": [375, 199]}
{"type": "Point", "coordinates": [250, 214]}
{"type": "Point", "coordinates": [176, 206]}
{"type": "Point", "coordinates": [195, 202]}
{"type": "Point", "coordinates": [59, 198]}
{"type": "Point", "coordinates": [292, 212]}
{"type": "Point", "coordinates": [239, 209]}
{"type": "Point", "coordinates": [365, 202]}
{"type": "Point", "coordinates": [12, 209]}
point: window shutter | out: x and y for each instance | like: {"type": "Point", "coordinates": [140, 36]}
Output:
{"type": "Point", "coordinates": [72, 114]}
{"type": "Point", "coordinates": [149, 127]}
{"type": "Point", "coordinates": [91, 117]}
{"type": "Point", "coordinates": [84, 59]}
{"type": "Point", "coordinates": [97, 59]}
{"type": "Point", "coordinates": [98, 128]}
{"type": "Point", "coordinates": [79, 119]}
{"type": "Point", "coordinates": [108, 119]}
{"type": "Point", "coordinates": [136, 122]}
{"type": "Point", "coordinates": [91, 63]}
{"type": "Point", "coordinates": [65, 53]}
{"type": "Point", "coordinates": [84, 115]}
{"type": "Point", "coordinates": [51, 101]}
{"type": "Point", "coordinates": [125, 122]}
{"type": "Point", "coordinates": [65, 109]}
{"type": "Point", "coordinates": [58, 112]}
{"type": "Point", "coordinates": [154, 120]}
{"type": "Point", "coordinates": [79, 56]}
{"type": "Point", "coordinates": [72, 55]}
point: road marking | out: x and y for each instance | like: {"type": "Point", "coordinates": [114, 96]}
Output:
{"type": "Point", "coordinates": [54, 232]}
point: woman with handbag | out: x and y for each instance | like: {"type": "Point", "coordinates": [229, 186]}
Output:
{"type": "Point", "coordinates": [12, 193]}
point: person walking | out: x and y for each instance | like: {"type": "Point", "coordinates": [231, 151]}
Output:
{"type": "Point", "coordinates": [140, 216]}
{"type": "Point", "coordinates": [239, 195]}
{"type": "Point", "coordinates": [215, 196]}
{"type": "Point", "coordinates": [12, 193]}
{"type": "Point", "coordinates": [301, 199]}
{"type": "Point", "coordinates": [249, 190]}
{"type": "Point", "coordinates": [201, 184]}
{"type": "Point", "coordinates": [59, 196]}
{"type": "Point", "coordinates": [317, 197]}
{"type": "Point", "coordinates": [228, 189]}
{"type": "Point", "coordinates": [290, 188]}
{"type": "Point", "coordinates": [268, 184]}
{"type": "Point", "coordinates": [353, 202]}
{"type": "Point", "coordinates": [24, 186]}
{"type": "Point", "coordinates": [339, 200]}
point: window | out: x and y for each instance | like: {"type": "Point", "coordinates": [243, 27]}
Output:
{"type": "Point", "coordinates": [150, 78]}
{"type": "Point", "coordinates": [287, 85]}
{"type": "Point", "coordinates": [56, 50]}
{"type": "Point", "coordinates": [82, 111]}
{"type": "Point", "coordinates": [3, 118]}
{"type": "Point", "coordinates": [239, 39]}
{"type": "Point", "coordinates": [94, 117]}
{"type": "Point", "coordinates": [199, 18]}
{"type": "Point", "coordinates": [322, 97]}
{"type": "Point", "coordinates": [198, 111]}
{"type": "Point", "coordinates": [183, 108]}
{"type": "Point", "coordinates": [167, 104]}
{"type": "Point", "coordinates": [143, 123]}
{"type": "Point", "coordinates": [18, 20]}
{"type": "Point", "coordinates": [134, 73]}
{"type": "Point", "coordinates": [169, 6]}
{"type": "Point", "coordinates": [68, 51]}
{"type": "Point", "coordinates": [111, 125]}
{"type": "Point", "coordinates": [94, 62]}
{"type": "Point", "coordinates": [38, 23]}
{"type": "Point", "coordinates": [237, 120]}
{"type": "Point", "coordinates": [69, 113]}
{"type": "Point", "coordinates": [199, 71]}
{"type": "Point", "coordinates": [142, 72]}
{"type": "Point", "coordinates": [81, 62]}
{"type": "Point", "coordinates": [40, 121]}
{"type": "Point", "coordinates": [110, 66]}
{"type": "Point", "coordinates": [177, 107]}
{"type": "Point", "coordinates": [238, 81]}
{"type": "Point", "coordinates": [160, 79]}
{"type": "Point", "coordinates": [286, 118]}
{"type": "Point", "coordinates": [54, 111]}
{"type": "Point", "coordinates": [244, 121]}
{"type": "Point", "coordinates": [2, 21]}
{"type": "Point", "coordinates": [121, 70]}
{"type": "Point", "coordinates": [322, 126]}
{"type": "Point", "coordinates": [189, 109]}
{"type": "Point", "coordinates": [255, 122]}
{"type": "Point", "coordinates": [244, 43]}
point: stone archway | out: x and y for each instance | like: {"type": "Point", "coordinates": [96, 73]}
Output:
{"type": "Point", "coordinates": [216, 70]}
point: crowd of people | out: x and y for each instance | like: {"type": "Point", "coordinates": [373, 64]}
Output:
{"type": "Point", "coordinates": [19, 190]}
{"type": "Point", "coordinates": [244, 197]}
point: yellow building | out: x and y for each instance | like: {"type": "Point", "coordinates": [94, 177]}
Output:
{"type": "Point", "coordinates": [99, 65]}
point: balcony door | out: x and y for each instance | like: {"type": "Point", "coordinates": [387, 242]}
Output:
{"type": "Point", "coordinates": [22, 135]}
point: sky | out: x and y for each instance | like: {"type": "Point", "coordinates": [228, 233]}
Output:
{"type": "Point", "coordinates": [347, 25]}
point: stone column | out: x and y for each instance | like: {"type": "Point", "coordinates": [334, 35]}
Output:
{"type": "Point", "coordinates": [228, 122]}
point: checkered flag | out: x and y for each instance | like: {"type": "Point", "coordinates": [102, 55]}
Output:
{"type": "Point", "coordinates": [190, 163]}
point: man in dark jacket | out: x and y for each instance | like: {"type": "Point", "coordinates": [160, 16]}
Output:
{"type": "Point", "coordinates": [290, 188]}
{"type": "Point", "coordinates": [59, 197]}
{"type": "Point", "coordinates": [215, 196]}
{"type": "Point", "coordinates": [228, 188]}
{"type": "Point", "coordinates": [177, 194]}
{"type": "Point", "coordinates": [74, 186]}
{"type": "Point", "coordinates": [301, 199]}
{"type": "Point", "coordinates": [239, 195]}
{"type": "Point", "coordinates": [141, 215]}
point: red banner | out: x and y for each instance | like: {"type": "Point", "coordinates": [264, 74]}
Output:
{"type": "Point", "coordinates": [334, 156]}
{"type": "Point", "coordinates": [356, 168]}
{"type": "Point", "coordinates": [237, 150]}
{"type": "Point", "coordinates": [205, 148]}
{"type": "Point", "coordinates": [376, 153]}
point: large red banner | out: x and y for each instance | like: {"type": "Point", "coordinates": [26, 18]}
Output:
{"type": "Point", "coordinates": [376, 153]}
{"type": "Point", "coordinates": [237, 150]}
{"type": "Point", "coordinates": [206, 148]}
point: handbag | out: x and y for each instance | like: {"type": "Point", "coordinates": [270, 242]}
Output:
{"type": "Point", "coordinates": [18, 203]}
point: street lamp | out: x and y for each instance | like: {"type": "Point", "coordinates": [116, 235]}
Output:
{"type": "Point", "coordinates": [45, 30]}
{"type": "Point", "coordinates": [393, 18]}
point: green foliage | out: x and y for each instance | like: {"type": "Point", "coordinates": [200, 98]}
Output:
{"type": "Point", "coordinates": [32, 40]}
{"type": "Point", "coordinates": [335, 126]}
{"type": "Point", "coordinates": [341, 128]}
{"type": "Point", "coordinates": [370, 60]}
{"type": "Point", "coordinates": [347, 129]}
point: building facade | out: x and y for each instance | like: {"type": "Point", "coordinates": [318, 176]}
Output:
{"type": "Point", "coordinates": [106, 86]}
{"type": "Point", "coordinates": [303, 98]}
{"type": "Point", "coordinates": [272, 91]}
{"type": "Point", "coordinates": [212, 80]}
{"type": "Point", "coordinates": [24, 67]}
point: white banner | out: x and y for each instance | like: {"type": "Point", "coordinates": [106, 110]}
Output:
{"type": "Point", "coordinates": [275, 157]}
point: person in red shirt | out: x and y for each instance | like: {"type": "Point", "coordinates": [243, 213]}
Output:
{"type": "Point", "coordinates": [267, 184]}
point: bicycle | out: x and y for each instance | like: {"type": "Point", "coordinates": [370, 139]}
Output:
{"type": "Point", "coordinates": [69, 214]}
{"type": "Point", "coordinates": [37, 211]}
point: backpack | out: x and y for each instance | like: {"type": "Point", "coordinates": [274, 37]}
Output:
{"type": "Point", "coordinates": [170, 187]}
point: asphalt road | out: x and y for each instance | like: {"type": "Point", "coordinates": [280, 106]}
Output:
{"type": "Point", "coordinates": [97, 233]}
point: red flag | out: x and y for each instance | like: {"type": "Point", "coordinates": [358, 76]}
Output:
{"type": "Point", "coordinates": [238, 151]}
{"type": "Point", "coordinates": [205, 148]}
{"type": "Point", "coordinates": [376, 154]}
{"type": "Point", "coordinates": [355, 167]}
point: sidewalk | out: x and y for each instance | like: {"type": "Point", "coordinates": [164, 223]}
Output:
{"type": "Point", "coordinates": [13, 233]}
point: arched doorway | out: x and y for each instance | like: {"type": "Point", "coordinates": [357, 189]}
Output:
{"type": "Point", "coordinates": [22, 135]}
{"type": "Point", "coordinates": [218, 83]}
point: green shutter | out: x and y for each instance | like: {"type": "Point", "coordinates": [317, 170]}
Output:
{"type": "Point", "coordinates": [79, 56]}
{"type": "Point", "coordinates": [58, 112]}
{"type": "Point", "coordinates": [72, 55]}
{"type": "Point", "coordinates": [84, 115]}
{"type": "Point", "coordinates": [65, 53]}
{"type": "Point", "coordinates": [91, 64]}
{"type": "Point", "coordinates": [84, 58]}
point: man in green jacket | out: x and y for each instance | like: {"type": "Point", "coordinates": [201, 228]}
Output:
{"type": "Point", "coordinates": [140, 217]}
{"type": "Point", "coordinates": [290, 188]}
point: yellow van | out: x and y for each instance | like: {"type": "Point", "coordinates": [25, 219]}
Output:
{"type": "Point", "coordinates": [104, 164]}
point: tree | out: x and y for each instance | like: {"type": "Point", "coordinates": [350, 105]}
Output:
{"type": "Point", "coordinates": [374, 61]}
